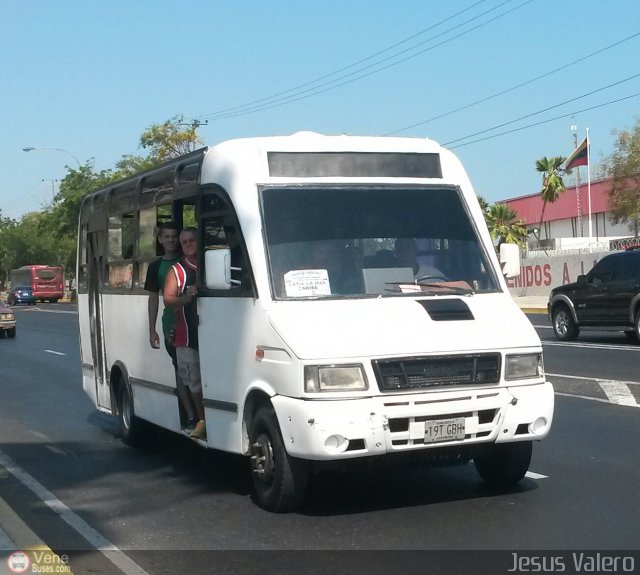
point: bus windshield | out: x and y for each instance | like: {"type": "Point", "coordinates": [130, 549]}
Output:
{"type": "Point", "coordinates": [372, 241]}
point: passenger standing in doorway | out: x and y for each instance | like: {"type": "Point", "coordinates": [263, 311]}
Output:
{"type": "Point", "coordinates": [154, 283]}
{"type": "Point", "coordinates": [180, 294]}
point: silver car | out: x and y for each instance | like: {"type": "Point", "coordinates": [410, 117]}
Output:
{"type": "Point", "coordinates": [7, 321]}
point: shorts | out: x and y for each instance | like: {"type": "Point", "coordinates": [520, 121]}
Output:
{"type": "Point", "coordinates": [171, 350]}
{"type": "Point", "coordinates": [189, 368]}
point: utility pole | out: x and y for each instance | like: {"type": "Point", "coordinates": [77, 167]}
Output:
{"type": "Point", "coordinates": [580, 233]}
{"type": "Point", "coordinates": [195, 124]}
{"type": "Point", "coordinates": [53, 188]}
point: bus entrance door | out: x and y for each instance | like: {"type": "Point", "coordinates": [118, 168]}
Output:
{"type": "Point", "coordinates": [95, 241]}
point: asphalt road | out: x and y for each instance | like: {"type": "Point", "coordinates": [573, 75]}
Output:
{"type": "Point", "coordinates": [582, 493]}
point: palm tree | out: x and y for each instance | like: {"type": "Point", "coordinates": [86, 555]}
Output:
{"type": "Point", "coordinates": [552, 183]}
{"type": "Point", "coordinates": [504, 223]}
{"type": "Point", "coordinates": [484, 206]}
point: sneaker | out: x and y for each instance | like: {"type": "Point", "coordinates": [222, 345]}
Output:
{"type": "Point", "coordinates": [191, 425]}
{"type": "Point", "coordinates": [200, 431]}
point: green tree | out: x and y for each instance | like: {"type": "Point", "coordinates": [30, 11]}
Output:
{"type": "Point", "coordinates": [23, 243]}
{"type": "Point", "coordinates": [623, 167]}
{"type": "Point", "coordinates": [552, 182]}
{"type": "Point", "coordinates": [504, 224]}
{"type": "Point", "coordinates": [170, 139]}
{"type": "Point", "coordinates": [59, 222]}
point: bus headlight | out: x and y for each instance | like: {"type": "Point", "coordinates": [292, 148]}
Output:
{"type": "Point", "coordinates": [334, 378]}
{"type": "Point", "coordinates": [524, 366]}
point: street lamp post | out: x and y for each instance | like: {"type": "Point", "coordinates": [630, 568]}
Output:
{"type": "Point", "coordinates": [32, 148]}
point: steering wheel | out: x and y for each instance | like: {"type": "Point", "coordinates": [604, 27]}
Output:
{"type": "Point", "coordinates": [433, 278]}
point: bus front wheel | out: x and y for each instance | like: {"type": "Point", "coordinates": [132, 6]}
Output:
{"type": "Point", "coordinates": [504, 464]}
{"type": "Point", "coordinates": [279, 480]}
{"type": "Point", "coordinates": [130, 425]}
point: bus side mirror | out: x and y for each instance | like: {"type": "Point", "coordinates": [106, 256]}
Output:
{"type": "Point", "coordinates": [217, 268]}
{"type": "Point", "coordinates": [510, 260]}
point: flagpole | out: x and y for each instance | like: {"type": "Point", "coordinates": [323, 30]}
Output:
{"type": "Point", "coordinates": [589, 187]}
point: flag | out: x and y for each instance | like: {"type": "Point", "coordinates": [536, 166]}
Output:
{"type": "Point", "coordinates": [580, 156]}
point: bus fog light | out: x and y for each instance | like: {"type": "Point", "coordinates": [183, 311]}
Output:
{"type": "Point", "coordinates": [539, 425]}
{"type": "Point", "coordinates": [336, 444]}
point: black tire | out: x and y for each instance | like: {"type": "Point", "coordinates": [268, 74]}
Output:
{"type": "Point", "coordinates": [11, 332]}
{"type": "Point", "coordinates": [636, 327]}
{"type": "Point", "coordinates": [131, 427]}
{"type": "Point", "coordinates": [279, 480]}
{"type": "Point", "coordinates": [564, 326]}
{"type": "Point", "coordinates": [504, 464]}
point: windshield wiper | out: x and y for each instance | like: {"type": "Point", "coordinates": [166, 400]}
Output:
{"type": "Point", "coordinates": [458, 287]}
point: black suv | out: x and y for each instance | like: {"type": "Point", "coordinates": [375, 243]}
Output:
{"type": "Point", "coordinates": [609, 295]}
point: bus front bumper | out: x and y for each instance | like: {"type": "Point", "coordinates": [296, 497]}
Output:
{"type": "Point", "coordinates": [343, 429]}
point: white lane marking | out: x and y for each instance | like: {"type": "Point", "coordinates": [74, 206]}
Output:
{"type": "Point", "coordinates": [532, 475]}
{"type": "Point", "coordinates": [56, 450]}
{"type": "Point", "coordinates": [617, 392]}
{"type": "Point", "coordinates": [55, 352]}
{"type": "Point", "coordinates": [101, 543]}
{"type": "Point", "coordinates": [586, 397]}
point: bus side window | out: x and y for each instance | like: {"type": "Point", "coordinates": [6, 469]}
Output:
{"type": "Point", "coordinates": [220, 228]}
{"type": "Point", "coordinates": [121, 241]}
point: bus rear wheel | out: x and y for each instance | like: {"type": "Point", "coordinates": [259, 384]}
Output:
{"type": "Point", "coordinates": [279, 480]}
{"type": "Point", "coordinates": [504, 464]}
{"type": "Point", "coordinates": [130, 426]}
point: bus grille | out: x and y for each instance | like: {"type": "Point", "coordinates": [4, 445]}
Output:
{"type": "Point", "coordinates": [437, 372]}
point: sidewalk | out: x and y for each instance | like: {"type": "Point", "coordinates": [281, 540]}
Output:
{"type": "Point", "coordinates": [532, 303]}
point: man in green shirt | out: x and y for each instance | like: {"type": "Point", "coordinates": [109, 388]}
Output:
{"type": "Point", "coordinates": [168, 234]}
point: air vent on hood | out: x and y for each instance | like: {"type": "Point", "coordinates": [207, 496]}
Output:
{"type": "Point", "coordinates": [446, 309]}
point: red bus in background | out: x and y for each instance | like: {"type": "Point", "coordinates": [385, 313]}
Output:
{"type": "Point", "coordinates": [47, 282]}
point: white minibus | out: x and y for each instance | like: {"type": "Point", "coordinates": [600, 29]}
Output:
{"type": "Point", "coordinates": [351, 305]}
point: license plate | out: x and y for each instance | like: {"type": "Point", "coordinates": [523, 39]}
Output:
{"type": "Point", "coordinates": [443, 430]}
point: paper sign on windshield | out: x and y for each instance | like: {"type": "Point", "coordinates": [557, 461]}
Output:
{"type": "Point", "coordinates": [303, 283]}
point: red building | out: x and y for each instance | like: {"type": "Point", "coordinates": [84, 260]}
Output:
{"type": "Point", "coordinates": [567, 217]}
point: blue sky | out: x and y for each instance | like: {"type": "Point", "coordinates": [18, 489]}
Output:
{"type": "Point", "coordinates": [90, 77]}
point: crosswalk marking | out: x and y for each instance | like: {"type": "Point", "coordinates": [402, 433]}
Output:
{"type": "Point", "coordinates": [532, 475]}
{"type": "Point", "coordinates": [617, 392]}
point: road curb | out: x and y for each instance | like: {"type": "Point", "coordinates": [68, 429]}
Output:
{"type": "Point", "coordinates": [533, 310]}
